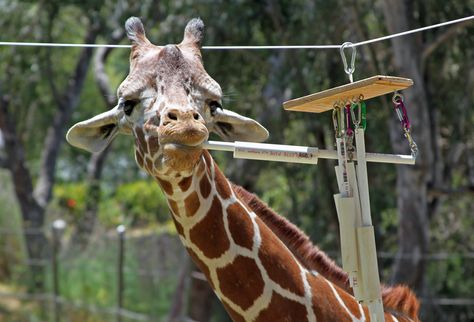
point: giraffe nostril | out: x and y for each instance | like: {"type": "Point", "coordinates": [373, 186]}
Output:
{"type": "Point", "coordinates": [172, 116]}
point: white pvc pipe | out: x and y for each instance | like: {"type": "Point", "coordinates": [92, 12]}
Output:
{"type": "Point", "coordinates": [296, 154]}
{"type": "Point", "coordinates": [362, 180]}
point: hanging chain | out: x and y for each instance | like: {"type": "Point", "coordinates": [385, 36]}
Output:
{"type": "Point", "coordinates": [402, 114]}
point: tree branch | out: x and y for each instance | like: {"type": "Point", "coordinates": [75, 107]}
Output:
{"type": "Point", "coordinates": [48, 67]}
{"type": "Point", "coordinates": [55, 133]}
{"type": "Point", "coordinates": [15, 162]}
{"type": "Point", "coordinates": [437, 192]}
{"type": "Point", "coordinates": [101, 77]}
{"type": "Point", "coordinates": [86, 225]}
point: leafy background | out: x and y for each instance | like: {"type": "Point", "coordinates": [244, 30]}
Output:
{"type": "Point", "coordinates": [45, 90]}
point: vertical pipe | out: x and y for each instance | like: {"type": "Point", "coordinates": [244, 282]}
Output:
{"type": "Point", "coordinates": [366, 237]}
{"type": "Point", "coordinates": [120, 282]}
{"type": "Point", "coordinates": [56, 230]}
{"type": "Point", "coordinates": [362, 177]}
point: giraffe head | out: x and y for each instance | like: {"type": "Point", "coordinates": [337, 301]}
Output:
{"type": "Point", "coordinates": [168, 103]}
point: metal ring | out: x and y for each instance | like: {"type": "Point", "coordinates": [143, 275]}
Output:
{"type": "Point", "coordinates": [397, 98]}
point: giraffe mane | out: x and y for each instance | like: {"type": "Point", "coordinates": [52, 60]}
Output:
{"type": "Point", "coordinates": [399, 299]}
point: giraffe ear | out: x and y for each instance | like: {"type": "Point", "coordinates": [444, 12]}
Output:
{"type": "Point", "coordinates": [96, 133]}
{"type": "Point", "coordinates": [231, 126]}
{"type": "Point", "coordinates": [136, 31]}
{"type": "Point", "coordinates": [194, 32]}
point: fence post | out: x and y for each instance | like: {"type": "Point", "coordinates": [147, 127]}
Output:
{"type": "Point", "coordinates": [121, 254]}
{"type": "Point", "coordinates": [56, 229]}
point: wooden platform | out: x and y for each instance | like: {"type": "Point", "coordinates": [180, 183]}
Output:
{"type": "Point", "coordinates": [369, 88]}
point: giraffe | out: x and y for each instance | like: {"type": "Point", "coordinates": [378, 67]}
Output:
{"type": "Point", "coordinates": [260, 266]}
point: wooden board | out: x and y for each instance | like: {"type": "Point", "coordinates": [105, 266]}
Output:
{"type": "Point", "coordinates": [369, 88]}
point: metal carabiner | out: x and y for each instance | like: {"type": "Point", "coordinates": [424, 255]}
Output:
{"type": "Point", "coordinates": [397, 98]}
{"type": "Point", "coordinates": [349, 70]}
{"type": "Point", "coordinates": [356, 120]}
{"type": "Point", "coordinates": [411, 143]}
{"type": "Point", "coordinates": [335, 121]}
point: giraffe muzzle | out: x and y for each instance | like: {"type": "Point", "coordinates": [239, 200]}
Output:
{"type": "Point", "coordinates": [183, 129]}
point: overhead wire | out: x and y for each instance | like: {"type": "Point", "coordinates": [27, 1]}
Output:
{"type": "Point", "coordinates": [279, 47]}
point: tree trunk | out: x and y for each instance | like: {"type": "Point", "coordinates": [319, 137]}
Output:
{"type": "Point", "coordinates": [86, 224]}
{"type": "Point", "coordinates": [33, 201]}
{"type": "Point", "coordinates": [32, 212]}
{"type": "Point", "coordinates": [412, 181]}
{"type": "Point", "coordinates": [201, 297]}
{"type": "Point", "coordinates": [178, 304]}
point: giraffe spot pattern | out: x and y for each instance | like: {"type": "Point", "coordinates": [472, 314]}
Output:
{"type": "Point", "coordinates": [205, 187]}
{"type": "Point", "coordinates": [139, 158]}
{"type": "Point", "coordinates": [185, 183]}
{"type": "Point", "coordinates": [348, 300]}
{"type": "Point", "coordinates": [236, 317]}
{"type": "Point", "coordinates": [166, 186]}
{"type": "Point", "coordinates": [178, 226]}
{"type": "Point", "coordinates": [222, 185]}
{"type": "Point", "coordinates": [282, 309]}
{"type": "Point", "coordinates": [209, 162]}
{"type": "Point", "coordinates": [141, 140]}
{"type": "Point", "coordinates": [241, 281]}
{"type": "Point", "coordinates": [200, 169]}
{"type": "Point", "coordinates": [191, 204]}
{"type": "Point", "coordinates": [149, 164]}
{"type": "Point", "coordinates": [281, 268]}
{"type": "Point", "coordinates": [201, 265]}
{"type": "Point", "coordinates": [174, 207]}
{"type": "Point", "coordinates": [153, 144]}
{"type": "Point", "coordinates": [209, 234]}
{"type": "Point", "coordinates": [323, 300]}
{"type": "Point", "coordinates": [240, 225]}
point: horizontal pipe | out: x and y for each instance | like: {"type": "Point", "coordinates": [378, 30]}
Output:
{"type": "Point", "coordinates": [296, 154]}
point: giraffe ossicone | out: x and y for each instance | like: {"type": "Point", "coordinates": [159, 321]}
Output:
{"type": "Point", "coordinates": [259, 265]}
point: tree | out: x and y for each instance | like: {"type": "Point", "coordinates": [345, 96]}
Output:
{"type": "Point", "coordinates": [416, 204]}
{"type": "Point", "coordinates": [34, 197]}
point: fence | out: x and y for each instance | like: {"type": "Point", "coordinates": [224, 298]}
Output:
{"type": "Point", "coordinates": [133, 277]}
{"type": "Point", "coordinates": [114, 279]}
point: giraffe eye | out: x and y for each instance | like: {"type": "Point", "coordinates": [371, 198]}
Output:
{"type": "Point", "coordinates": [213, 106]}
{"type": "Point", "coordinates": [128, 106]}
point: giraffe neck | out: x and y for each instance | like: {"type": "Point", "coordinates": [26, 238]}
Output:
{"type": "Point", "coordinates": [253, 273]}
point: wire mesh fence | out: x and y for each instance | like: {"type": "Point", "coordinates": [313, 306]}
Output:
{"type": "Point", "coordinates": [134, 277]}
{"type": "Point", "coordinates": [115, 278]}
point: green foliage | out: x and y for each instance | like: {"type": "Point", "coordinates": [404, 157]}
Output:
{"type": "Point", "coordinates": [255, 83]}
{"type": "Point", "coordinates": [12, 248]}
{"type": "Point", "coordinates": [138, 203]}
{"type": "Point", "coordinates": [143, 202]}
{"type": "Point", "coordinates": [70, 200]}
